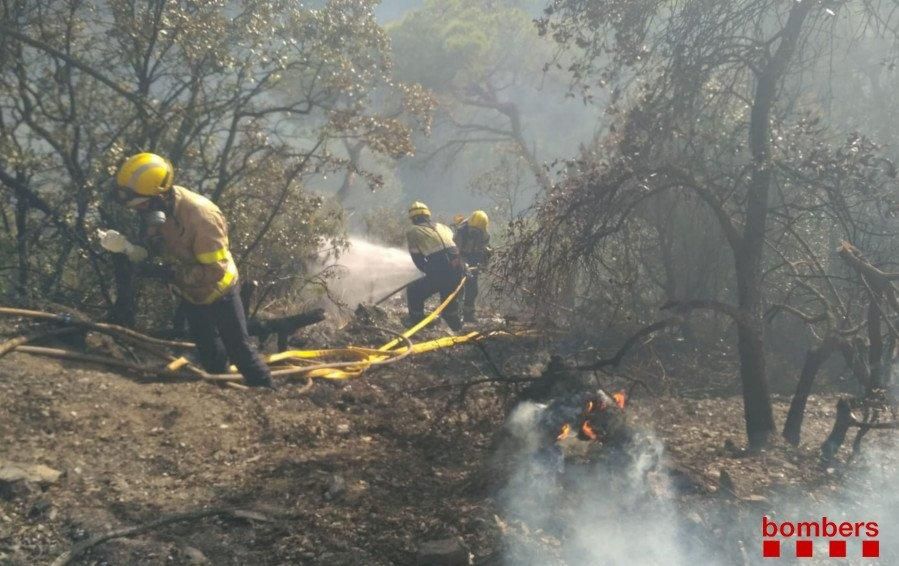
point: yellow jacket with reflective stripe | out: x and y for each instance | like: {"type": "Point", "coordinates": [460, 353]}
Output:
{"type": "Point", "coordinates": [426, 239]}
{"type": "Point", "coordinates": [195, 239]}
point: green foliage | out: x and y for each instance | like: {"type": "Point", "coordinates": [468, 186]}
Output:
{"type": "Point", "coordinates": [498, 97]}
{"type": "Point", "coordinates": [451, 44]}
{"type": "Point", "coordinates": [386, 226]}
{"type": "Point", "coordinates": [246, 98]}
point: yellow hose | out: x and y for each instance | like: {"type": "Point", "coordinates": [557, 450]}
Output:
{"type": "Point", "coordinates": [355, 360]}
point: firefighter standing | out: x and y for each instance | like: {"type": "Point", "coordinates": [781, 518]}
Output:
{"type": "Point", "coordinates": [190, 234]}
{"type": "Point", "coordinates": [435, 253]}
{"type": "Point", "coordinates": [473, 241]}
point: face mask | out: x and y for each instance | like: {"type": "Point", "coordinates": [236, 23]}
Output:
{"type": "Point", "coordinates": [154, 218]}
{"type": "Point", "coordinates": [154, 215]}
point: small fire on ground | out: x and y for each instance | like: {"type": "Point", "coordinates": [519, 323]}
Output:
{"type": "Point", "coordinates": [593, 408]}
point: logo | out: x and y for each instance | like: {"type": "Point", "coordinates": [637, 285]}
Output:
{"type": "Point", "coordinates": [794, 538]}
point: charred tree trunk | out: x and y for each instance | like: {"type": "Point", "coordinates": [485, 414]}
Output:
{"type": "Point", "coordinates": [838, 434]}
{"type": "Point", "coordinates": [875, 346]}
{"type": "Point", "coordinates": [748, 258]}
{"type": "Point", "coordinates": [21, 216]}
{"type": "Point", "coordinates": [814, 359]}
{"type": "Point", "coordinates": [758, 414]}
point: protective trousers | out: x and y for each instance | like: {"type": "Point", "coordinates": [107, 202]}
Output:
{"type": "Point", "coordinates": [471, 294]}
{"type": "Point", "coordinates": [219, 330]}
{"type": "Point", "coordinates": [443, 281]}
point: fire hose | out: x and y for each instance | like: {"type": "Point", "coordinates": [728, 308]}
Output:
{"type": "Point", "coordinates": [352, 362]}
{"type": "Point", "coordinates": [395, 291]}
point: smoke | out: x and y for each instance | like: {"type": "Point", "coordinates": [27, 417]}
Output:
{"type": "Point", "coordinates": [877, 479]}
{"type": "Point", "coordinates": [367, 271]}
{"type": "Point", "coordinates": [611, 512]}
{"type": "Point", "coordinates": [624, 510]}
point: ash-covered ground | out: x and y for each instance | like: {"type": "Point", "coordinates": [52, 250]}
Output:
{"type": "Point", "coordinates": [368, 471]}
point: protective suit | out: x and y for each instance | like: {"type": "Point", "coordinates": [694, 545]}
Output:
{"type": "Point", "coordinates": [474, 246]}
{"type": "Point", "coordinates": [435, 253]}
{"type": "Point", "coordinates": [190, 235]}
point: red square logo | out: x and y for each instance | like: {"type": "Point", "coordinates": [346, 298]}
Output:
{"type": "Point", "coordinates": [804, 549]}
{"type": "Point", "coordinates": [870, 548]}
{"type": "Point", "coordinates": [771, 548]}
{"type": "Point", "coordinates": [837, 549]}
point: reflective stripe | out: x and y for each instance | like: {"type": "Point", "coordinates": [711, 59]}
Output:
{"type": "Point", "coordinates": [213, 257]}
{"type": "Point", "coordinates": [223, 284]}
{"type": "Point", "coordinates": [135, 177]}
{"type": "Point", "coordinates": [429, 239]}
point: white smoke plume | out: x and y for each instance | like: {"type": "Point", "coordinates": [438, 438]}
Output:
{"type": "Point", "coordinates": [616, 513]}
{"type": "Point", "coordinates": [627, 513]}
{"type": "Point", "coordinates": [367, 271]}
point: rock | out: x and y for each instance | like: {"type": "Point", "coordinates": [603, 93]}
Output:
{"type": "Point", "coordinates": [443, 552]}
{"type": "Point", "coordinates": [343, 429]}
{"type": "Point", "coordinates": [336, 487]}
{"type": "Point", "coordinates": [755, 498]}
{"type": "Point", "coordinates": [16, 479]}
{"type": "Point", "coordinates": [194, 555]}
{"type": "Point", "coordinates": [32, 473]}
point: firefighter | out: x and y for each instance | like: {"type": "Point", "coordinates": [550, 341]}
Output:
{"type": "Point", "coordinates": [190, 235]}
{"type": "Point", "coordinates": [435, 253]}
{"type": "Point", "coordinates": [473, 241]}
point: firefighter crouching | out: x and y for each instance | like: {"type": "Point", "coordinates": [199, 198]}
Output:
{"type": "Point", "coordinates": [435, 253]}
{"type": "Point", "coordinates": [473, 241]}
{"type": "Point", "coordinates": [190, 235]}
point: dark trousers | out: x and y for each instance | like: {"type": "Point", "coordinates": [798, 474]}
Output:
{"type": "Point", "coordinates": [219, 330]}
{"type": "Point", "coordinates": [471, 292]}
{"type": "Point", "coordinates": [444, 282]}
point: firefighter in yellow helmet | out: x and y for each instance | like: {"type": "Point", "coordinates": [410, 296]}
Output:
{"type": "Point", "coordinates": [474, 246]}
{"type": "Point", "coordinates": [435, 253]}
{"type": "Point", "coordinates": [189, 233]}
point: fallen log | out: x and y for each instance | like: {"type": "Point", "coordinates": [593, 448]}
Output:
{"type": "Point", "coordinates": [127, 366]}
{"type": "Point", "coordinates": [69, 556]}
{"type": "Point", "coordinates": [283, 326]}
{"type": "Point", "coordinates": [104, 327]}
{"type": "Point", "coordinates": [13, 343]}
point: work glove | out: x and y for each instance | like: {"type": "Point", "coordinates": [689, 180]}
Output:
{"type": "Point", "coordinates": [136, 254]}
{"type": "Point", "coordinates": [155, 271]}
{"type": "Point", "coordinates": [115, 242]}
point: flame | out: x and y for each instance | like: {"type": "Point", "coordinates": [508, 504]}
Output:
{"type": "Point", "coordinates": [588, 431]}
{"type": "Point", "coordinates": [620, 398]}
{"type": "Point", "coordinates": [563, 434]}
{"type": "Point", "coordinates": [589, 406]}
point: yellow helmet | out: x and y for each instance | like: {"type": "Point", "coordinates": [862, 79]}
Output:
{"type": "Point", "coordinates": [419, 209]}
{"type": "Point", "coordinates": [478, 220]}
{"type": "Point", "coordinates": [146, 174]}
